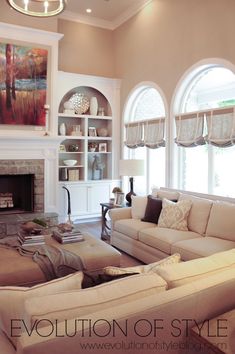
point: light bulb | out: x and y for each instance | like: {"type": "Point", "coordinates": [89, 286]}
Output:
{"type": "Point", "coordinates": [46, 6]}
{"type": "Point", "coordinates": [26, 2]}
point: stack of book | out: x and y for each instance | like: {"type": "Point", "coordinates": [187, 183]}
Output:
{"type": "Point", "coordinates": [67, 237]}
{"type": "Point", "coordinates": [31, 240]}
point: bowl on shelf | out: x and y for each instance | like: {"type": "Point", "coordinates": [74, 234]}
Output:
{"type": "Point", "coordinates": [70, 162]}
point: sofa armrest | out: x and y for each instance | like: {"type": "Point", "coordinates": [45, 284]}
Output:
{"type": "Point", "coordinates": [120, 213]}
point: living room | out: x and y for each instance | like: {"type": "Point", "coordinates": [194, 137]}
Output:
{"type": "Point", "coordinates": [166, 67]}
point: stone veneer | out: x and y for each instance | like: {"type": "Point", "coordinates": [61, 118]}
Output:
{"type": "Point", "coordinates": [36, 167]}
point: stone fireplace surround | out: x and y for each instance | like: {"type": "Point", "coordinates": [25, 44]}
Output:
{"type": "Point", "coordinates": [37, 155]}
{"type": "Point", "coordinates": [26, 167]}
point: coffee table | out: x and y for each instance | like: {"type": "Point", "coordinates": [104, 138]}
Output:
{"type": "Point", "coordinates": [19, 270]}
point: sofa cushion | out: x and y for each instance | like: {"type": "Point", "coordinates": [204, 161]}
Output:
{"type": "Point", "coordinates": [163, 238]}
{"type": "Point", "coordinates": [114, 271]}
{"type": "Point", "coordinates": [199, 212]}
{"type": "Point", "coordinates": [131, 227]}
{"type": "Point", "coordinates": [12, 298]}
{"type": "Point", "coordinates": [201, 247]}
{"type": "Point", "coordinates": [222, 221]}
{"type": "Point", "coordinates": [174, 215]}
{"type": "Point", "coordinates": [152, 210]}
{"type": "Point", "coordinates": [186, 272]}
{"type": "Point", "coordinates": [74, 304]}
{"type": "Point", "coordinates": [138, 206]}
{"type": "Point", "coordinates": [160, 193]}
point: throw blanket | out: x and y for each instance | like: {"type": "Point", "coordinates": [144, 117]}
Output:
{"type": "Point", "coordinates": [53, 261]}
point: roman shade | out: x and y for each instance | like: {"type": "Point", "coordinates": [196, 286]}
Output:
{"type": "Point", "coordinates": [154, 133]}
{"type": "Point", "coordinates": [149, 133]}
{"type": "Point", "coordinates": [189, 129]}
{"type": "Point", "coordinates": [134, 135]}
{"type": "Point", "coordinates": [219, 124]}
{"type": "Point", "coordinates": [221, 127]}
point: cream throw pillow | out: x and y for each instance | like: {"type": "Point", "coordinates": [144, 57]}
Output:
{"type": "Point", "coordinates": [175, 215]}
{"type": "Point", "coordinates": [12, 300]}
{"type": "Point", "coordinates": [152, 267]}
{"type": "Point", "coordinates": [138, 206]}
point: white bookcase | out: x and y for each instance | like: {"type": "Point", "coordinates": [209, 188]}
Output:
{"type": "Point", "coordinates": [88, 186]}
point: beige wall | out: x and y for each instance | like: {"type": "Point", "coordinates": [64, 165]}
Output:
{"type": "Point", "coordinates": [158, 44]}
{"type": "Point", "coordinates": [169, 36]}
{"type": "Point", "coordinates": [9, 15]}
{"type": "Point", "coordinates": [86, 49]}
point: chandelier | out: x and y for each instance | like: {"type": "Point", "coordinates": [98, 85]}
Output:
{"type": "Point", "coordinates": [38, 8]}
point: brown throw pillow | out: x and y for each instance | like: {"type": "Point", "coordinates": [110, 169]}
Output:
{"type": "Point", "coordinates": [153, 209]}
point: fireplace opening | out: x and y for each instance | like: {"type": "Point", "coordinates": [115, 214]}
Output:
{"type": "Point", "coordinates": [16, 193]}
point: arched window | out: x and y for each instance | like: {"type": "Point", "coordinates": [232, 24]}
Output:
{"type": "Point", "coordinates": [144, 120]}
{"type": "Point", "coordinates": [205, 119]}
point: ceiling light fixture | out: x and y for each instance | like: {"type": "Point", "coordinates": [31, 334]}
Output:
{"type": "Point", "coordinates": [88, 11]}
{"type": "Point", "coordinates": [38, 8]}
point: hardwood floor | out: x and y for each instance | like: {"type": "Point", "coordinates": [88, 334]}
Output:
{"type": "Point", "coordinates": [94, 228]}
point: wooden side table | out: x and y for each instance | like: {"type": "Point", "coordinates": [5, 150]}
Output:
{"type": "Point", "coordinates": [216, 335]}
{"type": "Point", "coordinates": [105, 228]}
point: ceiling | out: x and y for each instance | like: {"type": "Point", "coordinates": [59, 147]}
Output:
{"type": "Point", "coordinates": [105, 13]}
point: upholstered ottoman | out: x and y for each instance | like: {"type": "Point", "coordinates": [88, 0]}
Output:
{"type": "Point", "coordinates": [20, 270]}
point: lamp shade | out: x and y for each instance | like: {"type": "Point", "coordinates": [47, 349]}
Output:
{"type": "Point", "coordinates": [131, 168]}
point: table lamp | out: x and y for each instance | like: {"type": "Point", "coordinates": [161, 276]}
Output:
{"type": "Point", "coordinates": [131, 168]}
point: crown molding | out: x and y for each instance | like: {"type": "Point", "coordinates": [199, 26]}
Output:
{"type": "Point", "coordinates": [97, 22]}
{"type": "Point", "coordinates": [87, 20]}
{"type": "Point", "coordinates": [129, 13]}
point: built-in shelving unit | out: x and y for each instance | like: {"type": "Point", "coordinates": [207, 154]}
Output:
{"type": "Point", "coordinates": [89, 139]}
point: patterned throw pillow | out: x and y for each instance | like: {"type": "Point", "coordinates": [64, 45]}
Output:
{"type": "Point", "coordinates": [152, 267]}
{"type": "Point", "coordinates": [175, 215]}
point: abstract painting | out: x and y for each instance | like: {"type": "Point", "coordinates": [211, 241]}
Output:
{"type": "Point", "coordinates": [23, 85]}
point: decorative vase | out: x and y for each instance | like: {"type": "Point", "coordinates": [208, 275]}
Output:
{"type": "Point", "coordinates": [93, 106]}
{"type": "Point", "coordinates": [62, 129]}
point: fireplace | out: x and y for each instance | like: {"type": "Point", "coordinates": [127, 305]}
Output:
{"type": "Point", "coordinates": [16, 193]}
{"type": "Point", "coordinates": [21, 186]}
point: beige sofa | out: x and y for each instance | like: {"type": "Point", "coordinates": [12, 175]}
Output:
{"type": "Point", "coordinates": [211, 229]}
{"type": "Point", "coordinates": [150, 312]}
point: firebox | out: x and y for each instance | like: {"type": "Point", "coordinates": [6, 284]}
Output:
{"type": "Point", "coordinates": [16, 193]}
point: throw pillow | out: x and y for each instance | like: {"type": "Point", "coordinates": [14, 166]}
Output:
{"type": "Point", "coordinates": [12, 299]}
{"type": "Point", "coordinates": [153, 210]}
{"type": "Point", "coordinates": [175, 215]}
{"type": "Point", "coordinates": [138, 206]}
{"type": "Point", "coordinates": [168, 194]}
{"type": "Point", "coordinates": [152, 267]}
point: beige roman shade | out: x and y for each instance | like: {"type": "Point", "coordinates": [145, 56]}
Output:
{"type": "Point", "coordinates": [134, 135]}
{"type": "Point", "coordinates": [189, 129]}
{"type": "Point", "coordinates": [221, 127]}
{"type": "Point", "coordinates": [219, 123]}
{"type": "Point", "coordinates": [154, 131]}
{"type": "Point", "coordinates": [149, 133]}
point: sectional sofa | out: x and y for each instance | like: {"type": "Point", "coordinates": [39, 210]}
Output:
{"type": "Point", "coordinates": [210, 224]}
{"type": "Point", "coordinates": [144, 313]}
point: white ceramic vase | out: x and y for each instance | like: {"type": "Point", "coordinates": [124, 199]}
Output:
{"type": "Point", "coordinates": [62, 129]}
{"type": "Point", "coordinates": [93, 106]}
